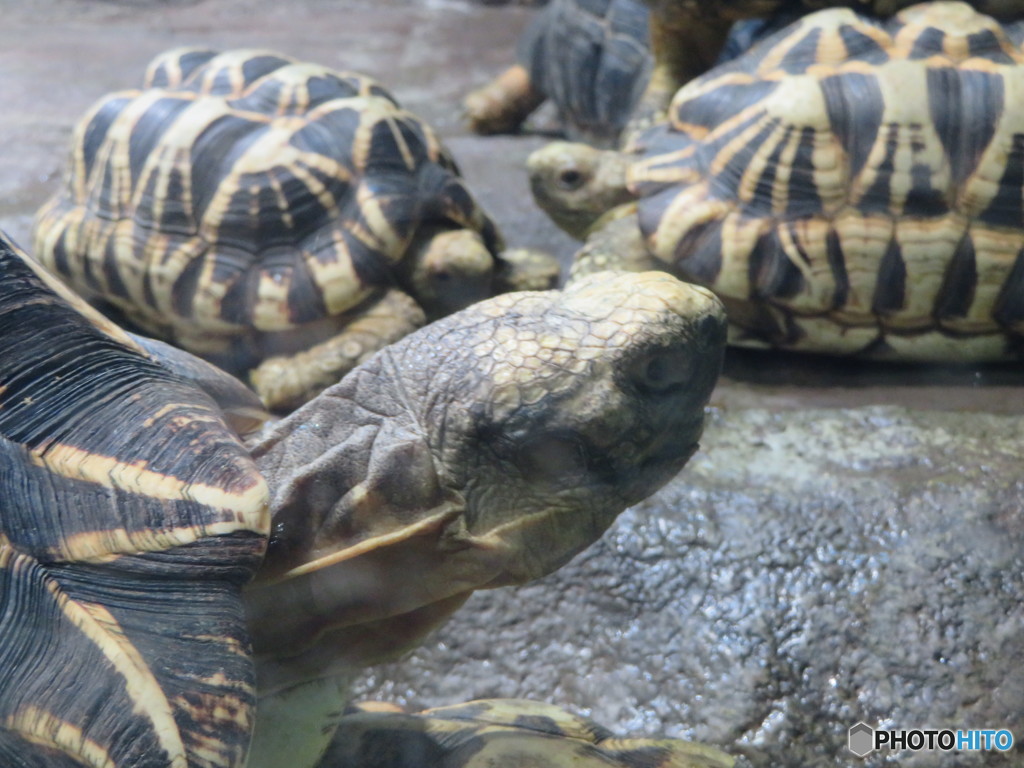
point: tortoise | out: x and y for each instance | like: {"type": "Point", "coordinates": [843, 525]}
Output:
{"type": "Point", "coordinates": [589, 57]}
{"type": "Point", "coordinates": [686, 36]}
{"type": "Point", "coordinates": [482, 450]}
{"type": "Point", "coordinates": [279, 218]}
{"type": "Point", "coordinates": [850, 186]}
{"type": "Point", "coordinates": [479, 734]}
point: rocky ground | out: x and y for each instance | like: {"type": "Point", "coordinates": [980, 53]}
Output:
{"type": "Point", "coordinates": [847, 547]}
{"type": "Point", "coordinates": [808, 570]}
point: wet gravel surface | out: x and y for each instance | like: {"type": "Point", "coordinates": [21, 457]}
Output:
{"type": "Point", "coordinates": [720, 636]}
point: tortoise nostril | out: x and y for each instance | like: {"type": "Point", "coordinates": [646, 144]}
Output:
{"type": "Point", "coordinates": [664, 370]}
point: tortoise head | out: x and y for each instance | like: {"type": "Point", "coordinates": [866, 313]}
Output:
{"type": "Point", "coordinates": [484, 450]}
{"type": "Point", "coordinates": [576, 184]}
{"type": "Point", "coordinates": [564, 409]}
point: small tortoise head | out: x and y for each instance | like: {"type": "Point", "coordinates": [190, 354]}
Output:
{"type": "Point", "coordinates": [576, 184]}
{"type": "Point", "coordinates": [449, 269]}
{"type": "Point", "coordinates": [483, 450]}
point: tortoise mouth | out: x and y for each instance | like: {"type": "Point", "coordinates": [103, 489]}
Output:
{"type": "Point", "coordinates": [664, 462]}
{"type": "Point", "coordinates": [534, 546]}
{"type": "Point", "coordinates": [675, 445]}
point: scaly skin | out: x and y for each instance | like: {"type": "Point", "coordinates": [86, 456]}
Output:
{"type": "Point", "coordinates": [586, 192]}
{"type": "Point", "coordinates": [484, 450]}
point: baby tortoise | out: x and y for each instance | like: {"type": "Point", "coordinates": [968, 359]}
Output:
{"type": "Point", "coordinates": [483, 450]}
{"type": "Point", "coordinates": [278, 218]}
{"type": "Point", "coordinates": [589, 57]}
{"type": "Point", "coordinates": [848, 186]}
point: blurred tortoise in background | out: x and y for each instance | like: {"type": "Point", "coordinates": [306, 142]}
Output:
{"type": "Point", "coordinates": [278, 218]}
{"type": "Point", "coordinates": [589, 57]}
{"type": "Point", "coordinates": [483, 450]}
{"type": "Point", "coordinates": [612, 66]}
{"type": "Point", "coordinates": [849, 186]}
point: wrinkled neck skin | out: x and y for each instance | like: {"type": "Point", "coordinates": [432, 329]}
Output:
{"type": "Point", "coordinates": [360, 521]}
{"type": "Point", "coordinates": [352, 479]}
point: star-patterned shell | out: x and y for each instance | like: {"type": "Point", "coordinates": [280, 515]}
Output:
{"type": "Point", "coordinates": [243, 195]}
{"type": "Point", "coordinates": [854, 185]}
{"type": "Point", "coordinates": [130, 519]}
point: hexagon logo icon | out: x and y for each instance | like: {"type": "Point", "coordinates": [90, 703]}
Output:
{"type": "Point", "coordinates": [861, 739]}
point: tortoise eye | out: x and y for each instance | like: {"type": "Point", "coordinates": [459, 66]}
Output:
{"type": "Point", "coordinates": [560, 459]}
{"type": "Point", "coordinates": [663, 371]}
{"type": "Point", "coordinates": [570, 179]}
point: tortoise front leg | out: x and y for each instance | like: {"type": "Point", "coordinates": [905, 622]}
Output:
{"type": "Point", "coordinates": [503, 104]}
{"type": "Point", "coordinates": [287, 380]}
{"type": "Point", "coordinates": [616, 245]}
